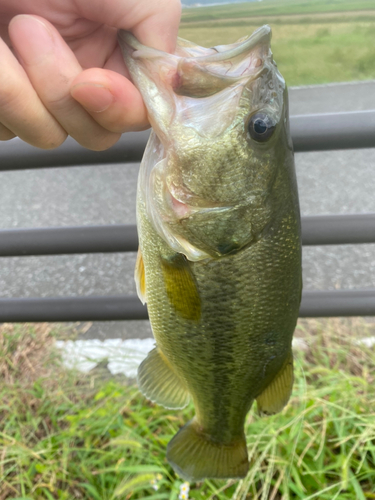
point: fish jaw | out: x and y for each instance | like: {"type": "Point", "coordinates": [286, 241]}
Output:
{"type": "Point", "coordinates": [198, 102]}
{"type": "Point", "coordinates": [167, 81]}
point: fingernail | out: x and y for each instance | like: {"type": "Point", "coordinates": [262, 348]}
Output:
{"type": "Point", "coordinates": [37, 38]}
{"type": "Point", "coordinates": [94, 97]}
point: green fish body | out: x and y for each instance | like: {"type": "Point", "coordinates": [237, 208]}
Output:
{"type": "Point", "coordinates": [220, 248]}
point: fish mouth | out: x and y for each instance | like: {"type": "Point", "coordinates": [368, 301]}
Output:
{"type": "Point", "coordinates": [219, 53]}
{"type": "Point", "coordinates": [194, 97]}
{"type": "Point", "coordinates": [195, 71]}
{"type": "Point", "coordinates": [185, 90]}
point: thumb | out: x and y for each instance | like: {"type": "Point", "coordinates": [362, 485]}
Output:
{"type": "Point", "coordinates": [154, 23]}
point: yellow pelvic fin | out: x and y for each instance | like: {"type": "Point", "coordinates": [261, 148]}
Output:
{"type": "Point", "coordinates": [181, 287]}
{"type": "Point", "coordinates": [159, 383]}
{"type": "Point", "coordinates": [195, 457]}
{"type": "Point", "coordinates": [139, 276]}
{"type": "Point", "coordinates": [277, 393]}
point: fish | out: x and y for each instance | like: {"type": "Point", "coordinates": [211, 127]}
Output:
{"type": "Point", "coordinates": [219, 260]}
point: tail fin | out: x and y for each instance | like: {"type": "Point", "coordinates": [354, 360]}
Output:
{"type": "Point", "coordinates": [194, 457]}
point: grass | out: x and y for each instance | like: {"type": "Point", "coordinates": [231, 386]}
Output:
{"type": "Point", "coordinates": [64, 435]}
{"type": "Point", "coordinates": [313, 42]}
{"type": "Point", "coordinates": [275, 8]}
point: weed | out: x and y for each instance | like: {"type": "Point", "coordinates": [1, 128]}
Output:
{"type": "Point", "coordinates": [64, 435]}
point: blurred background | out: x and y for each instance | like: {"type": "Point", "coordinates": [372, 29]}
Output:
{"type": "Point", "coordinates": [325, 50]}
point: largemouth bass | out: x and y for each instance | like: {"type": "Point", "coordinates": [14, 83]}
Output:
{"type": "Point", "coordinates": [219, 263]}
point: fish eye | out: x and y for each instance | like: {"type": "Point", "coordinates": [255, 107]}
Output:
{"type": "Point", "coordinates": [261, 127]}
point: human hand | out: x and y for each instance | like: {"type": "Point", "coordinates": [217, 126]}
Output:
{"type": "Point", "coordinates": [63, 73]}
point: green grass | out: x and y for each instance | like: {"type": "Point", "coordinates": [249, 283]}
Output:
{"type": "Point", "coordinates": [313, 42]}
{"type": "Point", "coordinates": [68, 436]}
{"type": "Point", "coordinates": [275, 8]}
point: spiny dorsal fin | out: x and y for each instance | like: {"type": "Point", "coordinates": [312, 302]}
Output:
{"type": "Point", "coordinates": [139, 276]}
{"type": "Point", "coordinates": [277, 393]}
{"type": "Point", "coordinates": [181, 287]}
{"type": "Point", "coordinates": [159, 383]}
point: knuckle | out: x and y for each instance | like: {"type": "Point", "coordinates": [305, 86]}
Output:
{"type": "Point", "coordinates": [5, 133]}
{"type": "Point", "coordinates": [10, 96]}
{"type": "Point", "coordinates": [44, 137]}
{"type": "Point", "coordinates": [58, 104]}
{"type": "Point", "coordinates": [51, 142]}
{"type": "Point", "coordinates": [99, 142]}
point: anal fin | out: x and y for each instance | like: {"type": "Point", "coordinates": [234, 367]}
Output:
{"type": "Point", "coordinates": [276, 395]}
{"type": "Point", "coordinates": [159, 383]}
{"type": "Point", "coordinates": [195, 457]}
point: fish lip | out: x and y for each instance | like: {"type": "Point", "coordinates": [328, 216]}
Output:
{"type": "Point", "coordinates": [260, 36]}
{"type": "Point", "coordinates": [183, 203]}
{"type": "Point", "coordinates": [177, 203]}
{"type": "Point", "coordinates": [189, 198]}
{"type": "Point", "coordinates": [137, 49]}
{"type": "Point", "coordinates": [176, 207]}
{"type": "Point", "coordinates": [129, 39]}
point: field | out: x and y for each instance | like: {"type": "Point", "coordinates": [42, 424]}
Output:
{"type": "Point", "coordinates": [313, 42]}
{"type": "Point", "coordinates": [64, 435]}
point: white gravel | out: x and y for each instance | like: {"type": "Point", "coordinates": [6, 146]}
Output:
{"type": "Point", "coordinates": [124, 356]}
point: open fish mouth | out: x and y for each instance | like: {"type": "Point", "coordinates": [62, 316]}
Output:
{"type": "Point", "coordinates": [200, 173]}
{"type": "Point", "coordinates": [201, 72]}
{"type": "Point", "coordinates": [186, 86]}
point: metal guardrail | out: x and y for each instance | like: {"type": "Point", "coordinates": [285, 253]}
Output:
{"type": "Point", "coordinates": [309, 133]}
{"type": "Point", "coordinates": [318, 132]}
{"type": "Point", "coordinates": [316, 230]}
{"type": "Point", "coordinates": [122, 307]}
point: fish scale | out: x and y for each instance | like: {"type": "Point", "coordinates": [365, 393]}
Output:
{"type": "Point", "coordinates": [220, 265]}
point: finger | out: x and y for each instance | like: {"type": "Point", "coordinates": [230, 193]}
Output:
{"type": "Point", "coordinates": [159, 27]}
{"type": "Point", "coordinates": [154, 23]}
{"type": "Point", "coordinates": [5, 133]}
{"type": "Point", "coordinates": [51, 67]}
{"type": "Point", "coordinates": [111, 99]}
{"type": "Point", "coordinates": [22, 113]}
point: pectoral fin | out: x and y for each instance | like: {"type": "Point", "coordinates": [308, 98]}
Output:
{"type": "Point", "coordinates": [181, 287]}
{"type": "Point", "coordinates": [159, 383]}
{"type": "Point", "coordinates": [139, 276]}
{"type": "Point", "coordinates": [277, 393]}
